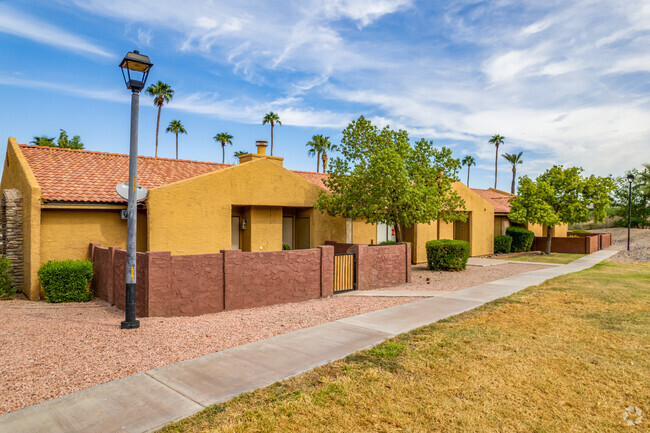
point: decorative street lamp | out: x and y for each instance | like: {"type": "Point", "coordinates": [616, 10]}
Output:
{"type": "Point", "coordinates": [139, 65]}
{"type": "Point", "coordinates": [630, 178]}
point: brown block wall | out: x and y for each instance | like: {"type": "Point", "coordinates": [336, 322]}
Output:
{"type": "Point", "coordinates": [576, 245]}
{"type": "Point", "coordinates": [382, 265]}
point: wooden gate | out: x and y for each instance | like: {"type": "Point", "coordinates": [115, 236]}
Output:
{"type": "Point", "coordinates": [345, 276]}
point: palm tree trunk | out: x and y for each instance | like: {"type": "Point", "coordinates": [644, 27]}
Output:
{"type": "Point", "coordinates": [177, 145]}
{"type": "Point", "coordinates": [514, 176]}
{"type": "Point", "coordinates": [324, 161]}
{"type": "Point", "coordinates": [318, 163]}
{"type": "Point", "coordinates": [223, 152]}
{"type": "Point", "coordinates": [496, 159]}
{"type": "Point", "coordinates": [271, 138]}
{"type": "Point", "coordinates": [157, 128]}
{"type": "Point", "coordinates": [468, 175]}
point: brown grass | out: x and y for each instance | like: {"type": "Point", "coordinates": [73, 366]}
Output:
{"type": "Point", "coordinates": [569, 355]}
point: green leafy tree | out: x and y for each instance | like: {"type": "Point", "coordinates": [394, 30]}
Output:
{"type": "Point", "coordinates": [75, 143]}
{"type": "Point", "coordinates": [272, 119]}
{"type": "Point", "coordinates": [64, 143]}
{"type": "Point", "coordinates": [176, 127]}
{"type": "Point", "coordinates": [514, 159]}
{"type": "Point", "coordinates": [223, 138]}
{"type": "Point", "coordinates": [43, 141]}
{"type": "Point", "coordinates": [162, 93]}
{"type": "Point", "coordinates": [640, 202]}
{"type": "Point", "coordinates": [497, 140]}
{"type": "Point", "coordinates": [560, 195]}
{"type": "Point", "coordinates": [468, 161]}
{"type": "Point", "coordinates": [315, 147]}
{"type": "Point", "coordinates": [382, 178]}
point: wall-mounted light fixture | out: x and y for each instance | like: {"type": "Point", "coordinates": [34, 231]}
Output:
{"type": "Point", "coordinates": [244, 224]}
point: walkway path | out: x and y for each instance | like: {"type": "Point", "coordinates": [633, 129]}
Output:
{"type": "Point", "coordinates": [147, 401]}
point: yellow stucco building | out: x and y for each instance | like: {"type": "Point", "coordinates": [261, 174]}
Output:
{"type": "Point", "coordinates": [69, 200]}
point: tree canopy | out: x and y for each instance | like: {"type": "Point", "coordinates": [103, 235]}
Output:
{"type": "Point", "coordinates": [640, 197]}
{"type": "Point", "coordinates": [382, 178]}
{"type": "Point", "coordinates": [560, 195]}
{"type": "Point", "coordinates": [63, 141]}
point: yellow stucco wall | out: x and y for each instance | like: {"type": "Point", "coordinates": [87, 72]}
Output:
{"type": "Point", "coordinates": [17, 174]}
{"type": "Point", "coordinates": [363, 233]}
{"type": "Point", "coordinates": [423, 233]}
{"type": "Point", "coordinates": [193, 216]}
{"type": "Point", "coordinates": [66, 233]}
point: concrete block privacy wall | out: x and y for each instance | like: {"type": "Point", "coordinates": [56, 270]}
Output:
{"type": "Point", "coordinates": [190, 285]}
{"type": "Point", "coordinates": [383, 265]}
{"type": "Point", "coordinates": [570, 245]}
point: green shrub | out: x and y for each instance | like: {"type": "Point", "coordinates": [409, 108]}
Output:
{"type": "Point", "coordinates": [388, 243]}
{"type": "Point", "coordinates": [580, 231]}
{"type": "Point", "coordinates": [447, 255]}
{"type": "Point", "coordinates": [502, 244]}
{"type": "Point", "coordinates": [66, 280]}
{"type": "Point", "coordinates": [522, 239]}
{"type": "Point", "coordinates": [286, 247]}
{"type": "Point", "coordinates": [7, 289]}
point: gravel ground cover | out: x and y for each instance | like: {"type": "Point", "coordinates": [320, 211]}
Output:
{"type": "Point", "coordinates": [426, 279]}
{"type": "Point", "coordinates": [639, 244]}
{"type": "Point", "coordinates": [50, 350]}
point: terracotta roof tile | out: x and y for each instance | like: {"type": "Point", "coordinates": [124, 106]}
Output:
{"type": "Point", "coordinates": [498, 199]}
{"type": "Point", "coordinates": [313, 177]}
{"type": "Point", "coordinates": [89, 176]}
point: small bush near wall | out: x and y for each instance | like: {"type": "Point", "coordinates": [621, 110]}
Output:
{"type": "Point", "coordinates": [66, 280]}
{"type": "Point", "coordinates": [7, 289]}
{"type": "Point", "coordinates": [580, 231]}
{"type": "Point", "coordinates": [447, 255]}
{"type": "Point", "coordinates": [522, 239]}
{"type": "Point", "coordinates": [388, 243]}
{"type": "Point", "coordinates": [502, 244]}
{"type": "Point", "coordinates": [286, 247]}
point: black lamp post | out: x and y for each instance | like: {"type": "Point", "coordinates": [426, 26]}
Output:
{"type": "Point", "coordinates": [630, 178]}
{"type": "Point", "coordinates": [140, 66]}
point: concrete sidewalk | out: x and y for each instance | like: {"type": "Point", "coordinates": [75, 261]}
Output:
{"type": "Point", "coordinates": [147, 401]}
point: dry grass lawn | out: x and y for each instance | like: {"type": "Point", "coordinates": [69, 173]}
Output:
{"type": "Point", "coordinates": [569, 355]}
{"type": "Point", "coordinates": [559, 258]}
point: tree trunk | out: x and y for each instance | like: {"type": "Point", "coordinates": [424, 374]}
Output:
{"type": "Point", "coordinates": [514, 176]}
{"type": "Point", "coordinates": [223, 152]}
{"type": "Point", "coordinates": [271, 138]}
{"type": "Point", "coordinates": [398, 233]}
{"type": "Point", "coordinates": [324, 161]}
{"type": "Point", "coordinates": [548, 240]}
{"type": "Point", "coordinates": [496, 159]}
{"type": "Point", "coordinates": [318, 163]}
{"type": "Point", "coordinates": [177, 145]}
{"type": "Point", "coordinates": [157, 128]}
{"type": "Point", "coordinates": [467, 175]}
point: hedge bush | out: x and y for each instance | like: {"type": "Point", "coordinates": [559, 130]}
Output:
{"type": "Point", "coordinates": [502, 244]}
{"type": "Point", "coordinates": [388, 243]}
{"type": "Point", "coordinates": [7, 289]}
{"type": "Point", "coordinates": [522, 239]}
{"type": "Point", "coordinates": [579, 231]}
{"type": "Point", "coordinates": [447, 255]}
{"type": "Point", "coordinates": [66, 280]}
{"type": "Point", "coordinates": [286, 247]}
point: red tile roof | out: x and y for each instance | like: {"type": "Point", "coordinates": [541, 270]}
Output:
{"type": "Point", "coordinates": [315, 178]}
{"type": "Point", "coordinates": [500, 200]}
{"type": "Point", "coordinates": [87, 176]}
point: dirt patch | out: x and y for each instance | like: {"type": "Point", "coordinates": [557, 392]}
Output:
{"type": "Point", "coordinates": [639, 244]}
{"type": "Point", "coordinates": [50, 350]}
{"type": "Point", "coordinates": [426, 279]}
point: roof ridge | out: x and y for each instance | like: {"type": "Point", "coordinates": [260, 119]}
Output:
{"type": "Point", "coordinates": [99, 152]}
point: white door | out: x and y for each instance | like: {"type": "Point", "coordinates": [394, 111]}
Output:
{"type": "Point", "coordinates": [234, 232]}
{"type": "Point", "coordinates": [385, 233]}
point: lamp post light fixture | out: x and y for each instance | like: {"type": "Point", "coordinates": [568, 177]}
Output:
{"type": "Point", "coordinates": [139, 65]}
{"type": "Point", "coordinates": [630, 178]}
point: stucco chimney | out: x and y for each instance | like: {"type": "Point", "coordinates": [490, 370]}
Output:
{"type": "Point", "coordinates": [261, 146]}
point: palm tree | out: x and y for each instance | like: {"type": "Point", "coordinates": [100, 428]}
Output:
{"type": "Point", "coordinates": [161, 93]}
{"type": "Point", "coordinates": [43, 141]}
{"type": "Point", "coordinates": [239, 153]}
{"type": "Point", "coordinates": [176, 127]}
{"type": "Point", "coordinates": [273, 119]}
{"type": "Point", "coordinates": [327, 146]}
{"type": "Point", "coordinates": [514, 159]}
{"type": "Point", "coordinates": [223, 138]}
{"type": "Point", "coordinates": [316, 146]}
{"type": "Point", "coordinates": [497, 140]}
{"type": "Point", "coordinates": [468, 161]}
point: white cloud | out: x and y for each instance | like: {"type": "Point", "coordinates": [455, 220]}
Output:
{"type": "Point", "coordinates": [24, 26]}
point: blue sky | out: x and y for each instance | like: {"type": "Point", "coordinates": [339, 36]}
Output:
{"type": "Point", "coordinates": [564, 82]}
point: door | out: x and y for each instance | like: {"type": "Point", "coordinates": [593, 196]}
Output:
{"type": "Point", "coordinates": [234, 233]}
{"type": "Point", "coordinates": [461, 230]}
{"type": "Point", "coordinates": [287, 231]}
{"type": "Point", "coordinates": [385, 233]}
{"type": "Point", "coordinates": [302, 233]}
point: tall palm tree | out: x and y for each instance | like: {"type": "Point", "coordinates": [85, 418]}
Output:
{"type": "Point", "coordinates": [273, 119]}
{"type": "Point", "coordinates": [327, 147]}
{"type": "Point", "coordinates": [316, 146]}
{"type": "Point", "coordinates": [497, 140]}
{"type": "Point", "coordinates": [176, 127]}
{"type": "Point", "coordinates": [514, 159]}
{"type": "Point", "coordinates": [468, 161]}
{"type": "Point", "coordinates": [223, 138]}
{"type": "Point", "coordinates": [162, 93]}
